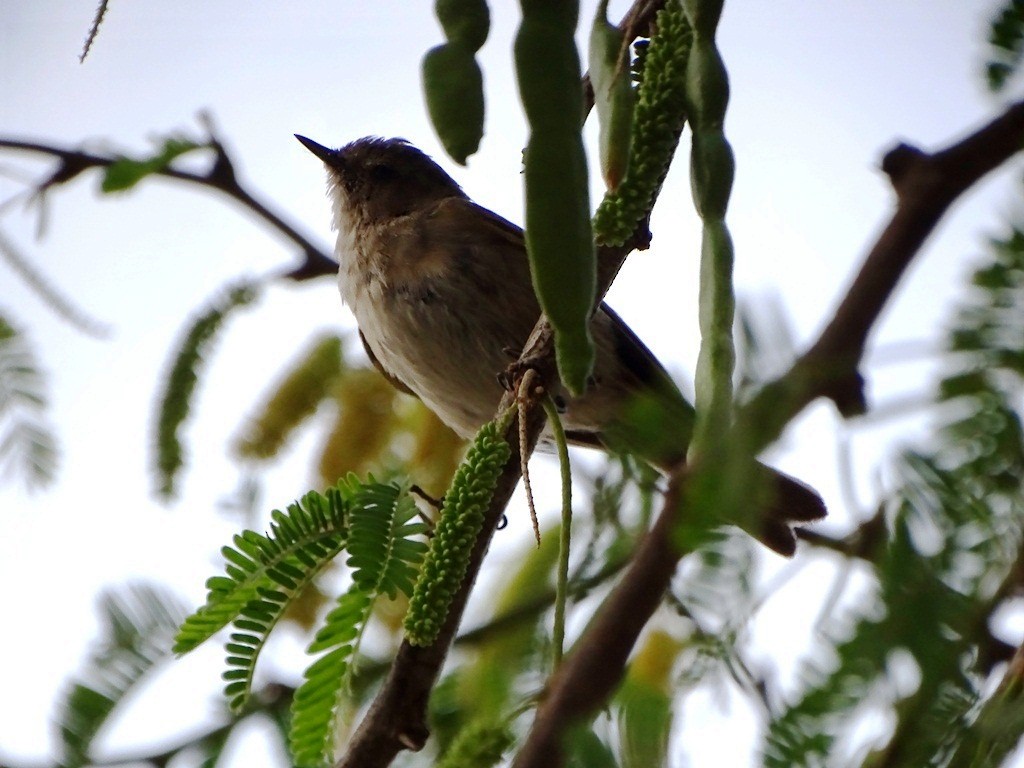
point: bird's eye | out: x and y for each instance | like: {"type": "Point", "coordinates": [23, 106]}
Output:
{"type": "Point", "coordinates": [382, 172]}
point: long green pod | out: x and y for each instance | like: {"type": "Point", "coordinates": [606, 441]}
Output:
{"type": "Point", "coordinates": [452, 81]}
{"type": "Point", "coordinates": [711, 175]}
{"type": "Point", "coordinates": [614, 96]}
{"type": "Point", "coordinates": [559, 239]}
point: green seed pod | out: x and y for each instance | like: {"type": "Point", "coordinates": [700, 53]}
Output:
{"type": "Point", "coordinates": [561, 249]}
{"type": "Point", "coordinates": [466, 22]}
{"type": "Point", "coordinates": [711, 175]}
{"type": "Point", "coordinates": [454, 88]}
{"type": "Point", "coordinates": [546, 64]}
{"type": "Point", "coordinates": [559, 238]}
{"type": "Point", "coordinates": [712, 168]}
{"type": "Point", "coordinates": [462, 517]}
{"type": "Point", "coordinates": [704, 15]}
{"type": "Point", "coordinates": [613, 95]}
{"type": "Point", "coordinates": [707, 81]}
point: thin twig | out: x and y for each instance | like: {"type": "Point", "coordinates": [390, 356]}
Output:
{"type": "Point", "coordinates": [94, 30]}
{"type": "Point", "coordinates": [315, 261]}
{"type": "Point", "coordinates": [925, 186]}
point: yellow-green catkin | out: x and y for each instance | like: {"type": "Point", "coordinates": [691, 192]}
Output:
{"type": "Point", "coordinates": [479, 745]}
{"type": "Point", "coordinates": [452, 81]}
{"type": "Point", "coordinates": [364, 426]}
{"type": "Point", "coordinates": [658, 120]}
{"type": "Point", "coordinates": [296, 398]}
{"type": "Point", "coordinates": [462, 517]}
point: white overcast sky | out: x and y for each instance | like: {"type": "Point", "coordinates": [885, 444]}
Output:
{"type": "Point", "coordinates": [819, 91]}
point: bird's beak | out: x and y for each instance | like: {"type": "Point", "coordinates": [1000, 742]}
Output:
{"type": "Point", "coordinates": [326, 154]}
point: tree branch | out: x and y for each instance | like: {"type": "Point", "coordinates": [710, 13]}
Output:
{"type": "Point", "coordinates": [925, 186]}
{"type": "Point", "coordinates": [315, 262]}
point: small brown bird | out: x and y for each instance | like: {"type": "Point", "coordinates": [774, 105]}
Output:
{"type": "Point", "coordinates": [441, 291]}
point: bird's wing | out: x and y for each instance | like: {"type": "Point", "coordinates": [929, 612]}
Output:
{"type": "Point", "coordinates": [465, 221]}
{"type": "Point", "coordinates": [396, 382]}
{"type": "Point", "coordinates": [634, 355]}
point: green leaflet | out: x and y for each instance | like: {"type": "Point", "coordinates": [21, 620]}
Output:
{"type": "Point", "coordinates": [378, 525]}
{"type": "Point", "coordinates": [180, 384]}
{"type": "Point", "coordinates": [384, 553]}
{"type": "Point", "coordinates": [644, 715]}
{"type": "Point", "coordinates": [479, 745]}
{"type": "Point", "coordinates": [1006, 41]}
{"type": "Point", "coordinates": [306, 537]}
{"type": "Point", "coordinates": [954, 533]}
{"type": "Point", "coordinates": [307, 382]}
{"type": "Point", "coordinates": [136, 623]}
{"type": "Point", "coordinates": [311, 737]}
{"type": "Point", "coordinates": [585, 749]}
{"type": "Point", "coordinates": [26, 441]}
{"type": "Point", "coordinates": [126, 172]}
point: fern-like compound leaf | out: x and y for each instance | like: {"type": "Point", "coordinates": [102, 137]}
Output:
{"type": "Point", "coordinates": [480, 744]}
{"type": "Point", "coordinates": [954, 532]}
{"type": "Point", "coordinates": [260, 568]}
{"type": "Point", "coordinates": [26, 442]}
{"type": "Point", "coordinates": [383, 554]}
{"type": "Point", "coordinates": [316, 701]}
{"type": "Point", "coordinates": [180, 386]}
{"type": "Point", "coordinates": [137, 623]}
{"type": "Point", "coordinates": [1006, 44]}
{"type": "Point", "coordinates": [288, 577]}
